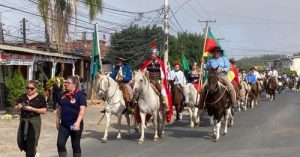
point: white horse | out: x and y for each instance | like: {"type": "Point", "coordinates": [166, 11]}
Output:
{"type": "Point", "coordinates": [242, 103]}
{"type": "Point", "coordinates": [109, 91]}
{"type": "Point", "coordinates": [191, 101]}
{"type": "Point", "coordinates": [148, 103]}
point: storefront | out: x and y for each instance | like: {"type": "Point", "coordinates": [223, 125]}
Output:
{"type": "Point", "coordinates": [33, 64]}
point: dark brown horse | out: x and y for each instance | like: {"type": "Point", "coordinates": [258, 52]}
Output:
{"type": "Point", "coordinates": [216, 97]}
{"type": "Point", "coordinates": [177, 98]}
{"type": "Point", "coordinates": [271, 88]}
{"type": "Point", "coordinates": [253, 95]}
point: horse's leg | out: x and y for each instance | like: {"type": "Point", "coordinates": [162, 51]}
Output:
{"type": "Point", "coordinates": [191, 117]}
{"type": "Point", "coordinates": [119, 125]}
{"type": "Point", "coordinates": [218, 126]}
{"type": "Point", "coordinates": [155, 122]}
{"type": "Point", "coordinates": [239, 105]}
{"type": "Point", "coordinates": [196, 117]}
{"type": "Point", "coordinates": [211, 121]}
{"type": "Point", "coordinates": [214, 128]}
{"type": "Point", "coordinates": [128, 122]}
{"type": "Point", "coordinates": [108, 116]}
{"type": "Point", "coordinates": [227, 111]}
{"type": "Point", "coordinates": [143, 126]}
{"type": "Point", "coordinates": [177, 111]}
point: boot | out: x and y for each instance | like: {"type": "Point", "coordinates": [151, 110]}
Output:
{"type": "Point", "coordinates": [233, 98]}
{"type": "Point", "coordinates": [76, 154]}
{"type": "Point", "coordinates": [62, 154]}
{"type": "Point", "coordinates": [165, 102]}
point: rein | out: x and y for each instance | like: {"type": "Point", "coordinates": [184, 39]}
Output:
{"type": "Point", "coordinates": [219, 85]}
{"type": "Point", "coordinates": [107, 97]}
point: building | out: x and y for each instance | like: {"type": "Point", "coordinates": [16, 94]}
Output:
{"type": "Point", "coordinates": [290, 63]}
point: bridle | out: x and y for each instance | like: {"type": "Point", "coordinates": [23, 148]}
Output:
{"type": "Point", "coordinates": [138, 91]}
{"type": "Point", "coordinates": [106, 97]}
{"type": "Point", "coordinates": [214, 91]}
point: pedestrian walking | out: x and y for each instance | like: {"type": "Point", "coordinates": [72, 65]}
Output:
{"type": "Point", "coordinates": [69, 121]}
{"type": "Point", "coordinates": [31, 104]}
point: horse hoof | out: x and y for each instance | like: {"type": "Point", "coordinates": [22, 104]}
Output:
{"type": "Point", "coordinates": [118, 137]}
{"type": "Point", "coordinates": [140, 141]}
{"type": "Point", "coordinates": [216, 140]}
{"type": "Point", "coordinates": [104, 140]}
{"type": "Point", "coordinates": [192, 126]}
{"type": "Point", "coordinates": [225, 134]}
{"type": "Point", "coordinates": [156, 139]}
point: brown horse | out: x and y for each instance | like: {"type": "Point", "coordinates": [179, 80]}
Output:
{"type": "Point", "coordinates": [216, 100]}
{"type": "Point", "coordinates": [253, 95]}
{"type": "Point", "coordinates": [177, 98]}
{"type": "Point", "coordinates": [271, 88]}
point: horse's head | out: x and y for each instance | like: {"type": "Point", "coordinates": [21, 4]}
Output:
{"type": "Point", "coordinates": [140, 80]}
{"type": "Point", "coordinates": [213, 75]}
{"type": "Point", "coordinates": [102, 86]}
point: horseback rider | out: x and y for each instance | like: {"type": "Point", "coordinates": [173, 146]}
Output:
{"type": "Point", "coordinates": [122, 73]}
{"type": "Point", "coordinates": [156, 71]}
{"type": "Point", "coordinates": [251, 78]}
{"type": "Point", "coordinates": [275, 74]}
{"type": "Point", "coordinates": [177, 75]}
{"type": "Point", "coordinates": [257, 77]}
{"type": "Point", "coordinates": [193, 76]}
{"type": "Point", "coordinates": [222, 62]}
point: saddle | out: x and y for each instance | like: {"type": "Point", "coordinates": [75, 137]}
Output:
{"type": "Point", "coordinates": [126, 95]}
{"type": "Point", "coordinates": [156, 86]}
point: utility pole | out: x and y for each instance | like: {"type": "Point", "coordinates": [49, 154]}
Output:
{"type": "Point", "coordinates": [166, 30]}
{"type": "Point", "coordinates": [1, 31]}
{"type": "Point", "coordinates": [24, 31]}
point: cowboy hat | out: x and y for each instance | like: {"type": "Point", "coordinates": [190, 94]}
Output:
{"type": "Point", "coordinates": [120, 58]}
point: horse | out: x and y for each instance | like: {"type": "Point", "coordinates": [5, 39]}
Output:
{"type": "Point", "coordinates": [192, 98]}
{"type": "Point", "coordinates": [217, 103]}
{"type": "Point", "coordinates": [177, 99]}
{"type": "Point", "coordinates": [271, 88]}
{"type": "Point", "coordinates": [109, 91]}
{"type": "Point", "coordinates": [253, 95]}
{"type": "Point", "coordinates": [147, 98]}
{"type": "Point", "coordinates": [242, 102]}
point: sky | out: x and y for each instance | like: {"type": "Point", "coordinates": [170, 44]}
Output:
{"type": "Point", "coordinates": [245, 27]}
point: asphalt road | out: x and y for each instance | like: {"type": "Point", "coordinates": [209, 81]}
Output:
{"type": "Point", "coordinates": [272, 129]}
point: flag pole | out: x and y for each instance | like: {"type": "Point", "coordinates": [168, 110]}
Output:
{"type": "Point", "coordinates": [200, 81]}
{"type": "Point", "coordinates": [100, 62]}
{"type": "Point", "coordinates": [98, 47]}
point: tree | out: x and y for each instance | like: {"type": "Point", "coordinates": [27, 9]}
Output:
{"type": "Point", "coordinates": [16, 87]}
{"type": "Point", "coordinates": [57, 15]}
{"type": "Point", "coordinates": [248, 62]}
{"type": "Point", "coordinates": [133, 43]}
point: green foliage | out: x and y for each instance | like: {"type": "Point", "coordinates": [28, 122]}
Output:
{"type": "Point", "coordinates": [49, 83]}
{"type": "Point", "coordinates": [286, 71]}
{"type": "Point", "coordinates": [16, 87]}
{"type": "Point", "coordinates": [191, 44]}
{"type": "Point", "coordinates": [41, 89]}
{"type": "Point", "coordinates": [133, 43]}
{"type": "Point", "coordinates": [248, 62]}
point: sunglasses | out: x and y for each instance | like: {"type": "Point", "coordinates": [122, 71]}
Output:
{"type": "Point", "coordinates": [31, 88]}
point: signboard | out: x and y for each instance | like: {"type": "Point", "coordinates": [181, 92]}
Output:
{"type": "Point", "coordinates": [15, 59]}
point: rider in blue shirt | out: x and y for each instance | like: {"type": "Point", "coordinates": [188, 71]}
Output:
{"type": "Point", "coordinates": [122, 71]}
{"type": "Point", "coordinates": [251, 78]}
{"type": "Point", "coordinates": [221, 62]}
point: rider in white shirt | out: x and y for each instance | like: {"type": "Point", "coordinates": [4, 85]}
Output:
{"type": "Point", "coordinates": [177, 75]}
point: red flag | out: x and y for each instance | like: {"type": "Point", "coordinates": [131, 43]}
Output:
{"type": "Point", "coordinates": [211, 42]}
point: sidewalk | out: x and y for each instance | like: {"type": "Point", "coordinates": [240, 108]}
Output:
{"type": "Point", "coordinates": [47, 142]}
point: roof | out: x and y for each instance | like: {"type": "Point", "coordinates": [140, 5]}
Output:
{"type": "Point", "coordinates": [26, 50]}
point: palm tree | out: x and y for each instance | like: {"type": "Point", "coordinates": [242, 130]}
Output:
{"type": "Point", "coordinates": [57, 15]}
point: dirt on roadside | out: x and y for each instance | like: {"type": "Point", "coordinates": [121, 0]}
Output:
{"type": "Point", "coordinates": [47, 142]}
